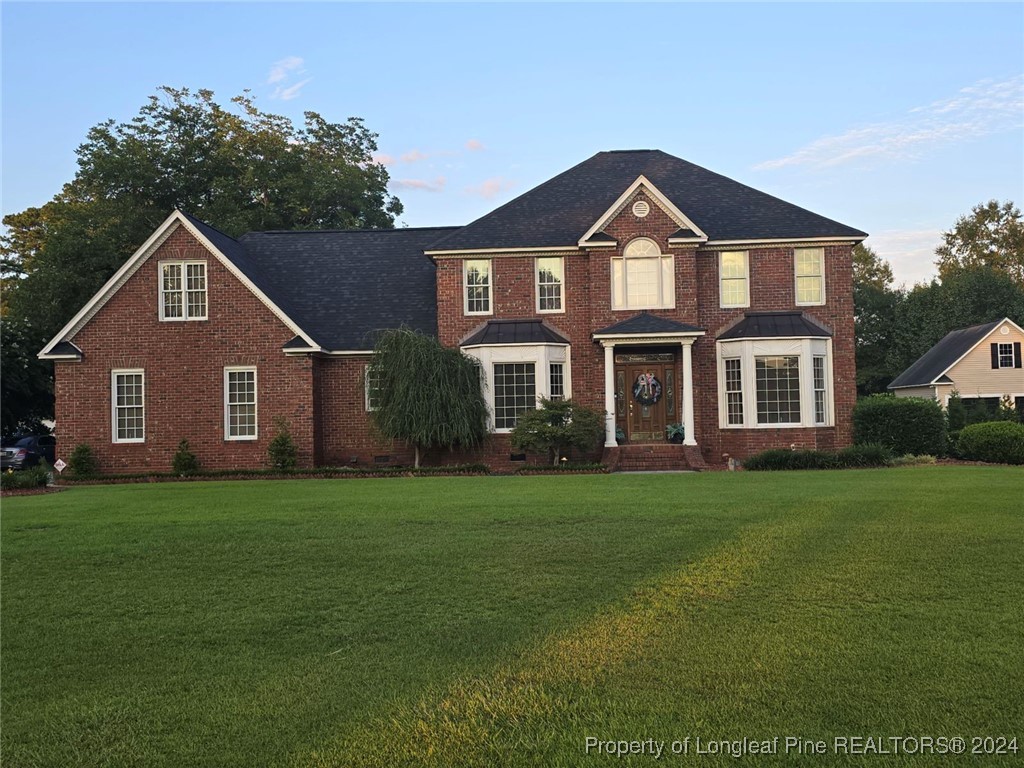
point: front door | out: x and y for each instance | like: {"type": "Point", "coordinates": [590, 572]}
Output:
{"type": "Point", "coordinates": [645, 395]}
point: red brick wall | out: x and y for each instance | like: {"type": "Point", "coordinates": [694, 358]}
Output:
{"type": "Point", "coordinates": [184, 373]}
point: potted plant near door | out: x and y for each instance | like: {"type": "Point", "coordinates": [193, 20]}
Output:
{"type": "Point", "coordinates": [676, 433]}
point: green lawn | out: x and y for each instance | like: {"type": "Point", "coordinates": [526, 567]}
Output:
{"type": "Point", "coordinates": [501, 621]}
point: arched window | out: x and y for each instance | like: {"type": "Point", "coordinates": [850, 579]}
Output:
{"type": "Point", "coordinates": [643, 277]}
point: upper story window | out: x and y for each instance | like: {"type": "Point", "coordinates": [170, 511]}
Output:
{"type": "Point", "coordinates": [734, 278]}
{"type": "Point", "coordinates": [477, 284]}
{"type": "Point", "coordinates": [183, 290]}
{"type": "Point", "coordinates": [810, 275]}
{"type": "Point", "coordinates": [550, 284]}
{"type": "Point", "coordinates": [643, 277]}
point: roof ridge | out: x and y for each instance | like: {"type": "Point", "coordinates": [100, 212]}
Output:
{"type": "Point", "coordinates": [360, 230]}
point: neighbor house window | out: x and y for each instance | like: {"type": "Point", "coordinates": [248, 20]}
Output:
{"type": "Point", "coordinates": [734, 271]}
{"type": "Point", "coordinates": [810, 275]}
{"type": "Point", "coordinates": [778, 389]}
{"type": "Point", "coordinates": [515, 391]}
{"type": "Point", "coordinates": [128, 404]}
{"type": "Point", "coordinates": [734, 390]}
{"type": "Point", "coordinates": [477, 276]}
{"type": "Point", "coordinates": [550, 284]}
{"type": "Point", "coordinates": [820, 399]}
{"type": "Point", "coordinates": [183, 290]}
{"type": "Point", "coordinates": [643, 277]}
{"type": "Point", "coordinates": [240, 403]}
{"type": "Point", "coordinates": [557, 381]}
{"type": "Point", "coordinates": [371, 388]}
{"type": "Point", "coordinates": [1005, 355]}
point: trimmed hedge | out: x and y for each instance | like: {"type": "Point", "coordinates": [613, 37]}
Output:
{"type": "Point", "coordinates": [904, 425]}
{"type": "Point", "coordinates": [854, 457]}
{"type": "Point", "coordinates": [1000, 442]}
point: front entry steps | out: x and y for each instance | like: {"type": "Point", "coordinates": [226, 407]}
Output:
{"type": "Point", "coordinates": [653, 457]}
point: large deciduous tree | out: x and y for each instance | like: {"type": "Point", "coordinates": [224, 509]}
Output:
{"type": "Point", "coordinates": [425, 394]}
{"type": "Point", "coordinates": [234, 166]}
{"type": "Point", "coordinates": [875, 303]}
{"type": "Point", "coordinates": [992, 235]}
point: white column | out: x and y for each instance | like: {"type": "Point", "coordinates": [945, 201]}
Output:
{"type": "Point", "coordinates": [609, 395]}
{"type": "Point", "coordinates": [691, 437]}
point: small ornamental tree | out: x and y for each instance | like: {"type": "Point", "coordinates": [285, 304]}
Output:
{"type": "Point", "coordinates": [557, 426]}
{"type": "Point", "coordinates": [184, 462]}
{"type": "Point", "coordinates": [426, 394]}
{"type": "Point", "coordinates": [282, 451]}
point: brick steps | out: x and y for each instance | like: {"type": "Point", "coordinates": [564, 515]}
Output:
{"type": "Point", "coordinates": [655, 457]}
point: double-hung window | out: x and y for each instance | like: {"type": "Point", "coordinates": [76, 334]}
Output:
{"type": "Point", "coordinates": [820, 395]}
{"type": "Point", "coordinates": [371, 388]}
{"type": "Point", "coordinates": [643, 277]}
{"type": "Point", "coordinates": [515, 391]}
{"type": "Point", "coordinates": [734, 390]}
{"type": "Point", "coordinates": [128, 406]}
{"type": "Point", "coordinates": [183, 290]}
{"type": "Point", "coordinates": [556, 381]}
{"type": "Point", "coordinates": [810, 275]}
{"type": "Point", "coordinates": [240, 403]}
{"type": "Point", "coordinates": [550, 284]}
{"type": "Point", "coordinates": [1005, 355]}
{"type": "Point", "coordinates": [477, 285]}
{"type": "Point", "coordinates": [734, 278]}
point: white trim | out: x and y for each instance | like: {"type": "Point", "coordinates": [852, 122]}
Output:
{"type": "Point", "coordinates": [640, 338]}
{"type": "Point", "coordinates": [796, 279]}
{"type": "Point", "coordinates": [952, 365]}
{"type": "Point", "coordinates": [518, 344]}
{"type": "Point", "coordinates": [746, 278]}
{"type": "Point", "coordinates": [86, 313]}
{"type": "Point", "coordinates": [984, 396]}
{"type": "Point", "coordinates": [749, 242]}
{"type": "Point", "coordinates": [561, 286]}
{"type": "Point", "coordinates": [295, 351]}
{"type": "Point", "coordinates": [678, 216]}
{"type": "Point", "coordinates": [366, 388]}
{"type": "Point", "coordinates": [184, 264]}
{"type": "Point", "coordinates": [490, 289]}
{"type": "Point", "coordinates": [600, 244]}
{"type": "Point", "coordinates": [229, 369]}
{"type": "Point", "coordinates": [114, 373]}
{"type": "Point", "coordinates": [470, 252]}
{"type": "Point", "coordinates": [75, 356]}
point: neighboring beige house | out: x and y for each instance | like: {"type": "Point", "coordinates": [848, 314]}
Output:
{"type": "Point", "coordinates": [982, 362]}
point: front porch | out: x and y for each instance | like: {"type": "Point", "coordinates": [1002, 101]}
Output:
{"type": "Point", "coordinates": [653, 457]}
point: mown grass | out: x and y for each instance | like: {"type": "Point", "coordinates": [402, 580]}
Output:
{"type": "Point", "coordinates": [500, 621]}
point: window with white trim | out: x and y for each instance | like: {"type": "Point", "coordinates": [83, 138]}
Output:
{"type": "Point", "coordinates": [128, 406]}
{"type": "Point", "coordinates": [1005, 352]}
{"type": "Point", "coordinates": [370, 388]}
{"type": "Point", "coordinates": [556, 381]}
{"type": "Point", "coordinates": [734, 278]}
{"type": "Point", "coordinates": [809, 265]}
{"type": "Point", "coordinates": [820, 394]}
{"type": "Point", "coordinates": [734, 390]}
{"type": "Point", "coordinates": [550, 284]}
{"type": "Point", "coordinates": [515, 391]}
{"type": "Point", "coordinates": [477, 284]}
{"type": "Point", "coordinates": [240, 403]}
{"type": "Point", "coordinates": [778, 389]}
{"type": "Point", "coordinates": [643, 277]}
{"type": "Point", "coordinates": [183, 290]}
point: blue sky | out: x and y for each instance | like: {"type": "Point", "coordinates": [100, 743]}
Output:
{"type": "Point", "coordinates": [894, 118]}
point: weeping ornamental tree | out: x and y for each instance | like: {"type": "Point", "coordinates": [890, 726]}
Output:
{"type": "Point", "coordinates": [426, 394]}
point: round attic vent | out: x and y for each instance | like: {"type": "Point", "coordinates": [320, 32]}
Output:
{"type": "Point", "coordinates": [641, 208]}
{"type": "Point", "coordinates": [1004, 330]}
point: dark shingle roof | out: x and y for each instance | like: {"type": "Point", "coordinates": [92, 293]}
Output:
{"type": "Point", "coordinates": [766, 325]}
{"type": "Point", "coordinates": [647, 323]}
{"type": "Point", "coordinates": [514, 332]}
{"type": "Point", "coordinates": [936, 360]}
{"type": "Point", "coordinates": [561, 210]}
{"type": "Point", "coordinates": [66, 348]}
{"type": "Point", "coordinates": [342, 286]}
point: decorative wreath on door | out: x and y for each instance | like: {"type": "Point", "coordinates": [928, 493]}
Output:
{"type": "Point", "coordinates": [647, 389]}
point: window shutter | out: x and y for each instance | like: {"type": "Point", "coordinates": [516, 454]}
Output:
{"type": "Point", "coordinates": [1016, 354]}
{"type": "Point", "coordinates": [995, 355]}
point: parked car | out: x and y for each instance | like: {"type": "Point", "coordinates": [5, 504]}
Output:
{"type": "Point", "coordinates": [23, 452]}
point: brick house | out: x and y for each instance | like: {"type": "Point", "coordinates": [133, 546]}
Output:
{"type": "Point", "coordinates": [635, 282]}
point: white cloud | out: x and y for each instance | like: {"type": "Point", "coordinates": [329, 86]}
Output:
{"type": "Point", "coordinates": [910, 252]}
{"type": "Point", "coordinates": [289, 93]}
{"type": "Point", "coordinates": [437, 185]}
{"type": "Point", "coordinates": [280, 69]}
{"type": "Point", "coordinates": [414, 156]}
{"type": "Point", "coordinates": [384, 159]}
{"type": "Point", "coordinates": [281, 72]}
{"type": "Point", "coordinates": [474, 146]}
{"type": "Point", "coordinates": [490, 187]}
{"type": "Point", "coordinates": [987, 107]}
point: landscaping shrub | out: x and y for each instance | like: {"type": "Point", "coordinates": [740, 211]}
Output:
{"type": "Point", "coordinates": [82, 462]}
{"type": "Point", "coordinates": [282, 451]}
{"type": "Point", "coordinates": [781, 459]}
{"type": "Point", "coordinates": [35, 477]}
{"type": "Point", "coordinates": [902, 424]}
{"type": "Point", "coordinates": [555, 427]}
{"type": "Point", "coordinates": [956, 414]}
{"type": "Point", "coordinates": [868, 455]}
{"type": "Point", "coordinates": [184, 462]}
{"type": "Point", "coordinates": [912, 461]}
{"type": "Point", "coordinates": [1000, 442]}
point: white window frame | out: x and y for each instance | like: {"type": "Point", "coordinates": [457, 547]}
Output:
{"type": "Point", "coordinates": [726, 392]}
{"type": "Point", "coordinates": [801, 395]}
{"type": "Point", "coordinates": [229, 369]}
{"type": "Point", "coordinates": [797, 276]}
{"type": "Point", "coordinates": [184, 290]}
{"type": "Point", "coordinates": [466, 286]}
{"type": "Point", "coordinates": [721, 279]}
{"type": "Point", "coordinates": [113, 404]}
{"type": "Point", "coordinates": [748, 350]}
{"type": "Point", "coordinates": [1009, 355]}
{"type": "Point", "coordinates": [823, 389]}
{"type": "Point", "coordinates": [561, 284]}
{"type": "Point", "coordinates": [367, 388]}
{"type": "Point", "coordinates": [666, 263]}
{"type": "Point", "coordinates": [551, 380]}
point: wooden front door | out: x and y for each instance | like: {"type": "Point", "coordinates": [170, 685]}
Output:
{"type": "Point", "coordinates": [645, 396]}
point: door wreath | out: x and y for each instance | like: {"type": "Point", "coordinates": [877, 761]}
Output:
{"type": "Point", "coordinates": [647, 389]}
